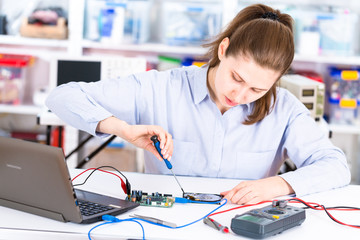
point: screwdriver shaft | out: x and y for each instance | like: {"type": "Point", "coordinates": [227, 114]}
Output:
{"type": "Point", "coordinates": [177, 181]}
{"type": "Point", "coordinates": [168, 164]}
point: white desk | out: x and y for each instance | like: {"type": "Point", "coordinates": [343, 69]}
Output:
{"type": "Point", "coordinates": [19, 225]}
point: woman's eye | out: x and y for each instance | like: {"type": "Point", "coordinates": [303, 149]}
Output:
{"type": "Point", "coordinates": [256, 90]}
{"type": "Point", "coordinates": [236, 79]}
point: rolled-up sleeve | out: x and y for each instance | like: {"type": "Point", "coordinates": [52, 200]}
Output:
{"type": "Point", "coordinates": [320, 165]}
{"type": "Point", "coordinates": [83, 105]}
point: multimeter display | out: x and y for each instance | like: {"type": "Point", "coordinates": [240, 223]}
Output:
{"type": "Point", "coordinates": [251, 218]}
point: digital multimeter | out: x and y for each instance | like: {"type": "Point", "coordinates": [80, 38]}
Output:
{"type": "Point", "coordinates": [267, 221]}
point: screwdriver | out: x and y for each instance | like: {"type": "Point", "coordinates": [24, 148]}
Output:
{"type": "Point", "coordinates": [168, 164]}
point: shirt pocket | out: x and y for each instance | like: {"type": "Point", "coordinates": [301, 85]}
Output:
{"type": "Point", "coordinates": [254, 165]}
{"type": "Point", "coordinates": [184, 157]}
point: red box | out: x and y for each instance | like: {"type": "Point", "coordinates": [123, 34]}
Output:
{"type": "Point", "coordinates": [12, 77]}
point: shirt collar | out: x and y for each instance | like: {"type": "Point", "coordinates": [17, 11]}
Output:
{"type": "Point", "coordinates": [200, 91]}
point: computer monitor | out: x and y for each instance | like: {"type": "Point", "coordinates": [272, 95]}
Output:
{"type": "Point", "coordinates": [77, 70]}
{"type": "Point", "coordinates": [92, 68]}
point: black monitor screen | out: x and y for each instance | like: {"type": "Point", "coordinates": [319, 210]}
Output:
{"type": "Point", "coordinates": [85, 71]}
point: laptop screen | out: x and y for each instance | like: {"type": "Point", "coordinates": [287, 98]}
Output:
{"type": "Point", "coordinates": [34, 178]}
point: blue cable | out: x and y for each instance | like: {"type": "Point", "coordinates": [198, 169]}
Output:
{"type": "Point", "coordinates": [96, 227]}
{"type": "Point", "coordinates": [144, 220]}
{"type": "Point", "coordinates": [185, 200]}
{"type": "Point", "coordinates": [112, 219]}
{"type": "Point", "coordinates": [202, 217]}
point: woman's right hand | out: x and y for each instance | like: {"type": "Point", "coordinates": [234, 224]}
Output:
{"type": "Point", "coordinates": [139, 135]}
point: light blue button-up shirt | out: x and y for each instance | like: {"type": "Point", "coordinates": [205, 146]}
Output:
{"type": "Point", "coordinates": [206, 142]}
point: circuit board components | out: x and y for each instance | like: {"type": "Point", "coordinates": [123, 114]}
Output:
{"type": "Point", "coordinates": [153, 200]}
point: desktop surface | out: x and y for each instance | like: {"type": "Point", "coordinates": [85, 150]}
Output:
{"type": "Point", "coordinates": [317, 225]}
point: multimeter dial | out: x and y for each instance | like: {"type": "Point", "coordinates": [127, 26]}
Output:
{"type": "Point", "coordinates": [275, 211]}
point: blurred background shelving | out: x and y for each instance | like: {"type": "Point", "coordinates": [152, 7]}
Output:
{"type": "Point", "coordinates": [156, 28]}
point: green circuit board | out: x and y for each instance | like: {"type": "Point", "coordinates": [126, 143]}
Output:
{"type": "Point", "coordinates": [152, 200]}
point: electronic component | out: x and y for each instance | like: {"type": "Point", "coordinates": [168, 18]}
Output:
{"type": "Point", "coordinates": [267, 221]}
{"type": "Point", "coordinates": [310, 92]}
{"type": "Point", "coordinates": [202, 197]}
{"type": "Point", "coordinates": [154, 200]}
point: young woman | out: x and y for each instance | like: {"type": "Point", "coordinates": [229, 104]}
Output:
{"type": "Point", "coordinates": [227, 119]}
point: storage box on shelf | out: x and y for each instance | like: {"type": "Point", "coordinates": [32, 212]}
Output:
{"type": "Point", "coordinates": [339, 34]}
{"type": "Point", "coordinates": [190, 22]}
{"type": "Point", "coordinates": [328, 33]}
{"type": "Point", "coordinates": [58, 31]}
{"type": "Point", "coordinates": [321, 28]}
{"type": "Point", "coordinates": [344, 96]}
{"type": "Point", "coordinates": [12, 77]}
{"type": "Point", "coordinates": [117, 22]}
{"type": "Point", "coordinates": [344, 112]}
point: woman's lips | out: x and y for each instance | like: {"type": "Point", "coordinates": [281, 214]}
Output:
{"type": "Point", "coordinates": [230, 103]}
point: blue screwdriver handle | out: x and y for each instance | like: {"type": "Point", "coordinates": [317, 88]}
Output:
{"type": "Point", "coordinates": [157, 146]}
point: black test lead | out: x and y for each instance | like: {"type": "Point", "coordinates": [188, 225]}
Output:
{"type": "Point", "coordinates": [168, 164]}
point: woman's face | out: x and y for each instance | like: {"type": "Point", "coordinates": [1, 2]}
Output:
{"type": "Point", "coordinates": [238, 80]}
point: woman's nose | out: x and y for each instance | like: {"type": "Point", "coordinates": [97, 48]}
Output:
{"type": "Point", "coordinates": [240, 94]}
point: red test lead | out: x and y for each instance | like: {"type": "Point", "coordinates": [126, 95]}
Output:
{"type": "Point", "coordinates": [214, 224]}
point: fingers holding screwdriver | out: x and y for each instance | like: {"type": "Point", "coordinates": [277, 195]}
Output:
{"type": "Point", "coordinates": [156, 142]}
{"type": "Point", "coordinates": [165, 143]}
{"type": "Point", "coordinates": [139, 135]}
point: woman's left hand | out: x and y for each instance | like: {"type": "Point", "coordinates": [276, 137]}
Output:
{"type": "Point", "coordinates": [254, 191]}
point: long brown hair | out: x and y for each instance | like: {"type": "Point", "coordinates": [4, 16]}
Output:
{"type": "Point", "coordinates": [264, 34]}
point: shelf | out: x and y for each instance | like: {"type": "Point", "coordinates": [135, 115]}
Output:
{"type": "Point", "coordinates": [158, 48]}
{"type": "Point", "coordinates": [333, 3]}
{"type": "Point", "coordinates": [346, 129]}
{"type": "Point", "coordinates": [343, 60]}
{"type": "Point", "coordinates": [147, 47]}
{"type": "Point", "coordinates": [20, 109]}
{"type": "Point", "coordinates": [38, 42]}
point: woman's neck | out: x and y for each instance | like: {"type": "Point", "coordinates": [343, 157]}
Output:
{"type": "Point", "coordinates": [210, 83]}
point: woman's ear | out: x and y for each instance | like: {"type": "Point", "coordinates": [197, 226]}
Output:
{"type": "Point", "coordinates": [222, 48]}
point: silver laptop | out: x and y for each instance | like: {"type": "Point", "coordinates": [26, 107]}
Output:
{"type": "Point", "coordinates": [34, 178]}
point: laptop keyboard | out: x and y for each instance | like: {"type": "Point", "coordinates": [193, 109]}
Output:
{"type": "Point", "coordinates": [90, 208]}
